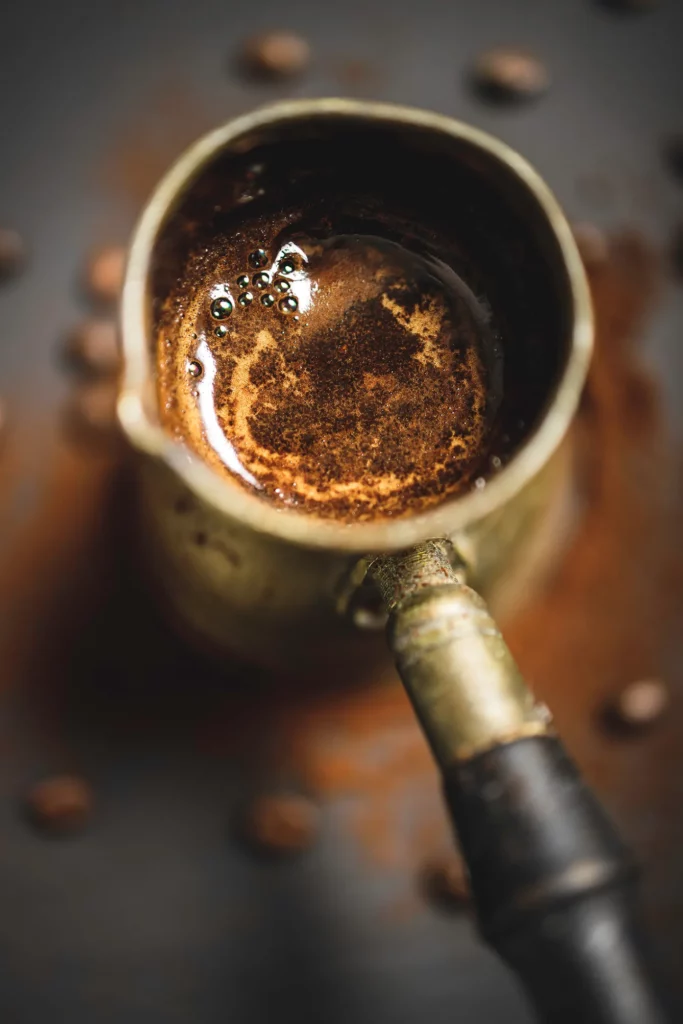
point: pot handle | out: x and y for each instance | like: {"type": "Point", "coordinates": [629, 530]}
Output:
{"type": "Point", "coordinates": [552, 884]}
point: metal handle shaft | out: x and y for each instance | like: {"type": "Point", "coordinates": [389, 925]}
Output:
{"type": "Point", "coordinates": [551, 881]}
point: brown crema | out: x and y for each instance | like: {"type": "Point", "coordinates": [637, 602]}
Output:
{"type": "Point", "coordinates": [332, 305]}
{"type": "Point", "coordinates": [347, 376]}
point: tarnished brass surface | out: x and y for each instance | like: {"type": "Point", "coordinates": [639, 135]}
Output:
{"type": "Point", "coordinates": [265, 583]}
{"type": "Point", "coordinates": [432, 564]}
{"type": "Point", "coordinates": [461, 678]}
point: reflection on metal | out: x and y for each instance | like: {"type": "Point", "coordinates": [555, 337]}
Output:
{"type": "Point", "coordinates": [461, 678]}
{"type": "Point", "coordinates": [267, 585]}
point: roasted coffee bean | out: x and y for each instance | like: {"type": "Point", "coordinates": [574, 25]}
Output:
{"type": "Point", "coordinates": [280, 823]}
{"type": "Point", "coordinates": [276, 54]}
{"type": "Point", "coordinates": [92, 348]}
{"type": "Point", "coordinates": [506, 74]}
{"type": "Point", "coordinates": [105, 272]}
{"type": "Point", "coordinates": [638, 706]}
{"type": "Point", "coordinates": [92, 409]}
{"type": "Point", "coordinates": [60, 804]}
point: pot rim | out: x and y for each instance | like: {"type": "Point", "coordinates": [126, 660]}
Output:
{"type": "Point", "coordinates": [453, 515]}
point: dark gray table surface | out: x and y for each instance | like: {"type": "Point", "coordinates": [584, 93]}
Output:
{"type": "Point", "coordinates": [152, 915]}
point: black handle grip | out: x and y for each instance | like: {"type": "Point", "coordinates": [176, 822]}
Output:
{"type": "Point", "coordinates": [552, 884]}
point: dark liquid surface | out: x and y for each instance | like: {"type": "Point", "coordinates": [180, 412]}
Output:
{"type": "Point", "coordinates": [326, 349]}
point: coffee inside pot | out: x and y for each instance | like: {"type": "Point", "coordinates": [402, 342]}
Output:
{"type": "Point", "coordinates": [342, 340]}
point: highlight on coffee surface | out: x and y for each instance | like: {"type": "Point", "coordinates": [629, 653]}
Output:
{"type": "Point", "coordinates": [337, 326]}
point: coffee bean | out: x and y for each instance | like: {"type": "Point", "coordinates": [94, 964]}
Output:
{"type": "Point", "coordinates": [105, 272]}
{"type": "Point", "coordinates": [12, 252]}
{"type": "Point", "coordinates": [92, 348]}
{"type": "Point", "coordinates": [506, 74]}
{"type": "Point", "coordinates": [592, 245]}
{"type": "Point", "coordinates": [445, 883]}
{"type": "Point", "coordinates": [276, 55]}
{"type": "Point", "coordinates": [639, 705]}
{"type": "Point", "coordinates": [92, 410]}
{"type": "Point", "coordinates": [280, 823]}
{"type": "Point", "coordinates": [60, 804]}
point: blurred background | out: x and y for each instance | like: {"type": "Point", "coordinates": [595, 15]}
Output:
{"type": "Point", "coordinates": [166, 855]}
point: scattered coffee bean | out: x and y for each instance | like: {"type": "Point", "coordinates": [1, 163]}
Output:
{"type": "Point", "coordinates": [506, 74]}
{"type": "Point", "coordinates": [92, 348]}
{"type": "Point", "coordinates": [592, 245]}
{"type": "Point", "coordinates": [280, 823]}
{"type": "Point", "coordinates": [105, 273]}
{"type": "Point", "coordinates": [93, 408]}
{"type": "Point", "coordinates": [60, 804]}
{"type": "Point", "coordinates": [276, 55]}
{"type": "Point", "coordinates": [445, 883]}
{"type": "Point", "coordinates": [639, 705]}
{"type": "Point", "coordinates": [12, 252]}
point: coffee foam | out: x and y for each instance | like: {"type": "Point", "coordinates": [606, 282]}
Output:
{"type": "Point", "coordinates": [373, 398]}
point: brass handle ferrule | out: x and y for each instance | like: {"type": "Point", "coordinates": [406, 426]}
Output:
{"type": "Point", "coordinates": [459, 673]}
